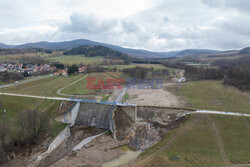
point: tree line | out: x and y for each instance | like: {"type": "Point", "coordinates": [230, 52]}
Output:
{"type": "Point", "coordinates": [143, 73]}
{"type": "Point", "coordinates": [7, 77]}
{"type": "Point", "coordinates": [71, 69]}
{"type": "Point", "coordinates": [238, 77]}
{"type": "Point", "coordinates": [30, 127]}
{"type": "Point", "coordinates": [23, 51]}
{"type": "Point", "coordinates": [232, 72]}
{"type": "Point", "coordinates": [94, 51]}
{"type": "Point", "coordinates": [205, 73]}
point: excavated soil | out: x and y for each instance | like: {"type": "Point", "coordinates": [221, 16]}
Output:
{"type": "Point", "coordinates": [94, 154]}
{"type": "Point", "coordinates": [157, 97]}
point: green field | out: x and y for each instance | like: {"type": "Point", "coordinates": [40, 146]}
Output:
{"type": "Point", "coordinates": [133, 65]}
{"type": "Point", "coordinates": [76, 59]}
{"type": "Point", "coordinates": [213, 95]}
{"type": "Point", "coordinates": [80, 87]}
{"type": "Point", "coordinates": [14, 58]}
{"type": "Point", "coordinates": [50, 86]}
{"type": "Point", "coordinates": [26, 78]}
{"type": "Point", "coordinates": [219, 57]}
{"type": "Point", "coordinates": [14, 105]}
{"type": "Point", "coordinates": [44, 87]}
{"type": "Point", "coordinates": [205, 140]}
{"type": "Point", "coordinates": [155, 66]}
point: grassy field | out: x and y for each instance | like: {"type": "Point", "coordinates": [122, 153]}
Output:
{"type": "Point", "coordinates": [155, 66]}
{"type": "Point", "coordinates": [80, 87]}
{"type": "Point", "coordinates": [213, 95]}
{"type": "Point", "coordinates": [205, 140]}
{"type": "Point", "coordinates": [48, 87]}
{"type": "Point", "coordinates": [14, 105]}
{"type": "Point", "coordinates": [76, 59]}
{"type": "Point", "coordinates": [125, 97]}
{"type": "Point", "coordinates": [212, 59]}
{"type": "Point", "coordinates": [15, 57]}
{"type": "Point", "coordinates": [3, 83]}
{"type": "Point", "coordinates": [26, 78]}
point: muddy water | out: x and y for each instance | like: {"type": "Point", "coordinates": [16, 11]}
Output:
{"type": "Point", "coordinates": [126, 157]}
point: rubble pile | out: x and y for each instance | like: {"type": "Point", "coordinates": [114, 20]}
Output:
{"type": "Point", "coordinates": [143, 136]}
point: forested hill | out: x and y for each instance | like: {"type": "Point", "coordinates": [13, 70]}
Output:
{"type": "Point", "coordinates": [245, 51]}
{"type": "Point", "coordinates": [11, 51]}
{"type": "Point", "coordinates": [93, 51]}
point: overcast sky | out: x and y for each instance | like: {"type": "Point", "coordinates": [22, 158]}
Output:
{"type": "Point", "coordinates": [158, 25]}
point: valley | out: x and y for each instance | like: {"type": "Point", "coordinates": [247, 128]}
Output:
{"type": "Point", "coordinates": [173, 124]}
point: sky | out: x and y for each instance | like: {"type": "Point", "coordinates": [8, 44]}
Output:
{"type": "Point", "coordinates": [157, 25]}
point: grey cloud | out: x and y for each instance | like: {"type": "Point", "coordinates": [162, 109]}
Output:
{"type": "Point", "coordinates": [240, 5]}
{"type": "Point", "coordinates": [130, 26]}
{"type": "Point", "coordinates": [166, 25]}
{"type": "Point", "coordinates": [88, 23]}
{"type": "Point", "coordinates": [166, 19]}
{"type": "Point", "coordinates": [240, 26]}
{"type": "Point", "coordinates": [215, 38]}
{"type": "Point", "coordinates": [213, 3]}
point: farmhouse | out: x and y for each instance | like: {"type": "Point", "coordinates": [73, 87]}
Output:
{"type": "Point", "coordinates": [82, 69]}
{"type": "Point", "coordinates": [61, 72]}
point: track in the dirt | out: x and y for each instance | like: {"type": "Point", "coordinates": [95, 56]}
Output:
{"type": "Point", "coordinates": [220, 144]}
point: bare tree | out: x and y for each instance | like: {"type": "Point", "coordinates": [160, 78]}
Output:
{"type": "Point", "coordinates": [31, 125]}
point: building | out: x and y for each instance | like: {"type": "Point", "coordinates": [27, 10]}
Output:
{"type": "Point", "coordinates": [2, 69]}
{"type": "Point", "coordinates": [61, 72]}
{"type": "Point", "coordinates": [82, 69]}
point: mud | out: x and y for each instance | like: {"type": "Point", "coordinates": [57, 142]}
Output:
{"type": "Point", "coordinates": [152, 124]}
{"type": "Point", "coordinates": [162, 115]}
{"type": "Point", "coordinates": [97, 152]}
{"type": "Point", "coordinates": [143, 137]}
{"type": "Point", "coordinates": [157, 97]}
{"type": "Point", "coordinates": [124, 121]}
{"type": "Point", "coordinates": [77, 135]}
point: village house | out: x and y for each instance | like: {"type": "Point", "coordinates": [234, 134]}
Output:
{"type": "Point", "coordinates": [20, 68]}
{"type": "Point", "coordinates": [61, 72]}
{"type": "Point", "coordinates": [81, 69]}
{"type": "Point", "coordinates": [2, 69]}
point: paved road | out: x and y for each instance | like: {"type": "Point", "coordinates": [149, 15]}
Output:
{"type": "Point", "coordinates": [116, 101]}
{"type": "Point", "coordinates": [121, 104]}
{"type": "Point", "coordinates": [222, 113]}
{"type": "Point", "coordinates": [121, 94]}
{"type": "Point", "coordinates": [67, 99]}
{"type": "Point", "coordinates": [62, 94]}
{"type": "Point", "coordinates": [38, 97]}
{"type": "Point", "coordinates": [27, 80]}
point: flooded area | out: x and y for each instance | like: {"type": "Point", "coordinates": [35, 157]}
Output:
{"type": "Point", "coordinates": [128, 156]}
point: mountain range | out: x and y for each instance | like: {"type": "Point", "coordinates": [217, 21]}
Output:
{"type": "Point", "coordinates": [139, 53]}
